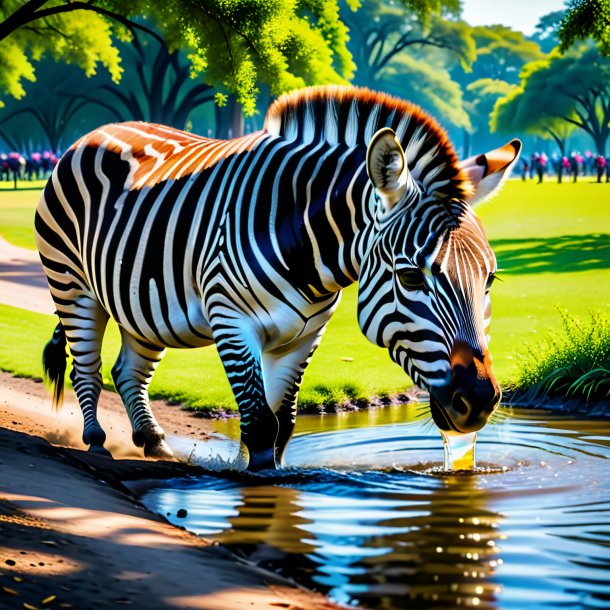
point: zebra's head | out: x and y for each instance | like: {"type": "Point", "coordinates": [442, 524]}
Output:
{"type": "Point", "coordinates": [425, 280]}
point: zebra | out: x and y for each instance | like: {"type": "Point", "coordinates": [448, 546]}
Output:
{"type": "Point", "coordinates": [247, 243]}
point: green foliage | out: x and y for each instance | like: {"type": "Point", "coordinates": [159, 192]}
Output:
{"type": "Point", "coordinates": [574, 363]}
{"type": "Point", "coordinates": [547, 30]}
{"type": "Point", "coordinates": [586, 19]}
{"type": "Point", "coordinates": [404, 48]}
{"type": "Point", "coordinates": [482, 95]}
{"type": "Point", "coordinates": [28, 124]}
{"type": "Point", "coordinates": [500, 55]}
{"type": "Point", "coordinates": [426, 9]}
{"type": "Point", "coordinates": [237, 43]}
{"type": "Point", "coordinates": [380, 31]}
{"type": "Point", "coordinates": [573, 88]}
{"type": "Point", "coordinates": [82, 38]}
{"type": "Point", "coordinates": [156, 86]}
{"type": "Point", "coordinates": [520, 111]}
{"type": "Point", "coordinates": [501, 52]}
{"type": "Point", "coordinates": [429, 86]}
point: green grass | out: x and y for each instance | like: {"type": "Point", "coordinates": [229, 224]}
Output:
{"type": "Point", "coordinates": [17, 211]}
{"type": "Point", "coordinates": [552, 242]}
{"type": "Point", "coordinates": [573, 363]}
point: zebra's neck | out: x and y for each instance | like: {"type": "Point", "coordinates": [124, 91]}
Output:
{"type": "Point", "coordinates": [316, 207]}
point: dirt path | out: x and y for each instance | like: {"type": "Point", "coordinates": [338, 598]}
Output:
{"type": "Point", "coordinates": [32, 401]}
{"type": "Point", "coordinates": [69, 540]}
{"type": "Point", "coordinates": [22, 281]}
{"type": "Point", "coordinates": [71, 532]}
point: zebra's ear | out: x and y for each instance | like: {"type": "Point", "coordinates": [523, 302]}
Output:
{"type": "Point", "coordinates": [487, 172]}
{"type": "Point", "coordinates": [387, 167]}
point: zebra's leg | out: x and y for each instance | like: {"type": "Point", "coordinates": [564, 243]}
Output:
{"type": "Point", "coordinates": [132, 373]}
{"type": "Point", "coordinates": [283, 372]}
{"type": "Point", "coordinates": [84, 326]}
{"type": "Point", "coordinates": [258, 424]}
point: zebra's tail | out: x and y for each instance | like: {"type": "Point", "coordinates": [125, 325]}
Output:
{"type": "Point", "coordinates": [54, 359]}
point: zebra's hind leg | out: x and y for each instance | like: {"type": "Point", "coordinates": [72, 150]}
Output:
{"type": "Point", "coordinates": [132, 373]}
{"type": "Point", "coordinates": [84, 327]}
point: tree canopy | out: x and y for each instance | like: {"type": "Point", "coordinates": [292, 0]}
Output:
{"type": "Point", "coordinates": [283, 43]}
{"type": "Point", "coordinates": [572, 89]}
{"type": "Point", "coordinates": [586, 19]}
{"type": "Point", "coordinates": [380, 31]}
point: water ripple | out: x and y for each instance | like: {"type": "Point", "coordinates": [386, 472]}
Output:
{"type": "Point", "coordinates": [367, 514]}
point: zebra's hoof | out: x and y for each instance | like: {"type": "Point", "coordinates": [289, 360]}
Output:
{"type": "Point", "coordinates": [158, 449]}
{"type": "Point", "coordinates": [262, 460]}
{"type": "Point", "coordinates": [100, 450]}
{"type": "Point", "coordinates": [95, 437]}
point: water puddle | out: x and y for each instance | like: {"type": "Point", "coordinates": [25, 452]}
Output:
{"type": "Point", "coordinates": [373, 512]}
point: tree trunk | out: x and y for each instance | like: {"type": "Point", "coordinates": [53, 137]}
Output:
{"type": "Point", "coordinates": [229, 120]}
{"type": "Point", "coordinates": [466, 144]}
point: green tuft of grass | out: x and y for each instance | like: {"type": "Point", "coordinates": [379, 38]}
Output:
{"type": "Point", "coordinates": [571, 363]}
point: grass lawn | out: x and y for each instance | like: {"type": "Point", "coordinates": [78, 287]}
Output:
{"type": "Point", "coordinates": [552, 243]}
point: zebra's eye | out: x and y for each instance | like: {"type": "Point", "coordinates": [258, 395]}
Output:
{"type": "Point", "coordinates": [412, 279]}
{"type": "Point", "coordinates": [490, 281]}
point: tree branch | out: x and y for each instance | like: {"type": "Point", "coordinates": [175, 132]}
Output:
{"type": "Point", "coordinates": [93, 100]}
{"type": "Point", "coordinates": [29, 16]}
{"type": "Point", "coordinates": [22, 16]}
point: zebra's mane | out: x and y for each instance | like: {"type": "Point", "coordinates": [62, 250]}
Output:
{"type": "Point", "coordinates": [351, 115]}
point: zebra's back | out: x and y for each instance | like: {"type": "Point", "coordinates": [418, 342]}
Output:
{"type": "Point", "coordinates": [117, 219]}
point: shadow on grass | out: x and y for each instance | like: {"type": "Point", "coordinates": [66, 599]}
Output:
{"type": "Point", "coordinates": [562, 254]}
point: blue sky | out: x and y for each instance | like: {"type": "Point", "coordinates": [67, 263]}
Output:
{"type": "Point", "coordinates": [519, 14]}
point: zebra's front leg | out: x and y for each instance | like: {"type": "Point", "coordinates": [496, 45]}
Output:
{"type": "Point", "coordinates": [258, 425]}
{"type": "Point", "coordinates": [283, 372]}
{"type": "Point", "coordinates": [132, 373]}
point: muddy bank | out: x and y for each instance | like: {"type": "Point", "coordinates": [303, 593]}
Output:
{"type": "Point", "coordinates": [70, 537]}
{"type": "Point", "coordinates": [564, 405]}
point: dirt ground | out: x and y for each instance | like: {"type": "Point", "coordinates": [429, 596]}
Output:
{"type": "Point", "coordinates": [72, 536]}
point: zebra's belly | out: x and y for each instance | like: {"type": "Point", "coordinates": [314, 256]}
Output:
{"type": "Point", "coordinates": [163, 316]}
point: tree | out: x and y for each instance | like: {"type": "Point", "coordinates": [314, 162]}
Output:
{"type": "Point", "coordinates": [547, 30]}
{"type": "Point", "coordinates": [519, 111]}
{"type": "Point", "coordinates": [83, 38]}
{"type": "Point", "coordinates": [27, 125]}
{"type": "Point", "coordinates": [381, 31]}
{"type": "Point", "coordinates": [401, 48]}
{"type": "Point", "coordinates": [586, 19]}
{"type": "Point", "coordinates": [156, 87]}
{"type": "Point", "coordinates": [428, 85]}
{"type": "Point", "coordinates": [573, 88]}
{"type": "Point", "coordinates": [481, 96]}
{"type": "Point", "coordinates": [237, 44]}
{"type": "Point", "coordinates": [501, 53]}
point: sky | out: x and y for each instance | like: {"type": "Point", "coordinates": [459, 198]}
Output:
{"type": "Point", "coordinates": [521, 15]}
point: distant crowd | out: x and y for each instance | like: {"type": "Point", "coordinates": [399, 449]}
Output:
{"type": "Point", "coordinates": [39, 165]}
{"type": "Point", "coordinates": [539, 165]}
{"type": "Point", "coordinates": [35, 166]}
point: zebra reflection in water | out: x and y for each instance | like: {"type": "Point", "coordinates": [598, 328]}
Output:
{"type": "Point", "coordinates": [247, 243]}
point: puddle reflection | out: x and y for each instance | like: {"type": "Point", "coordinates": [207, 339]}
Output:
{"type": "Point", "coordinates": [381, 530]}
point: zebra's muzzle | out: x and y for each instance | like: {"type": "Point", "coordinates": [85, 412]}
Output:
{"type": "Point", "coordinates": [472, 394]}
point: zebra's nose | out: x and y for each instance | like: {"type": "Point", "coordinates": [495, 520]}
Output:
{"type": "Point", "coordinates": [475, 393]}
